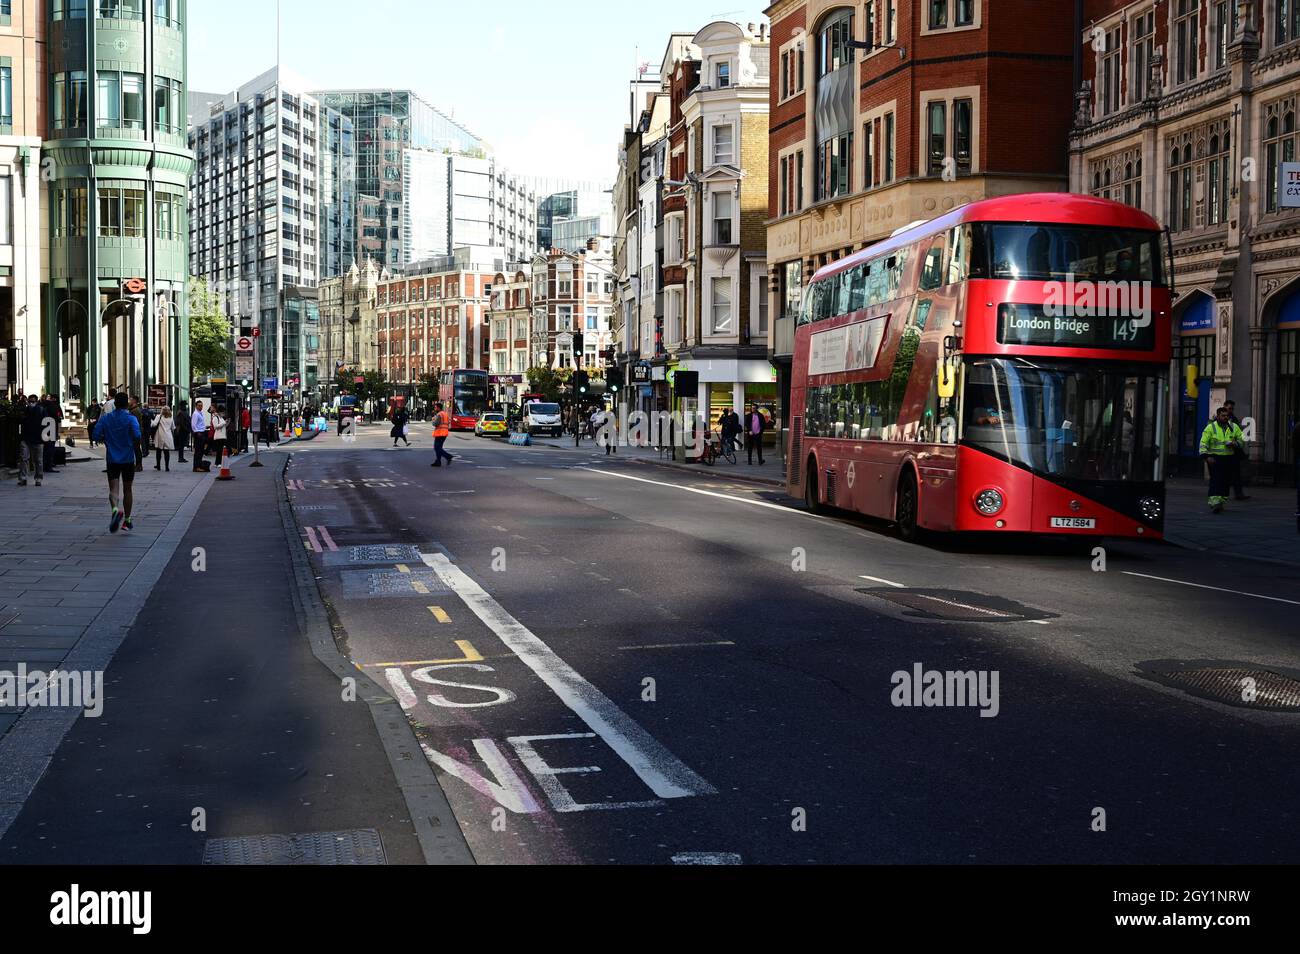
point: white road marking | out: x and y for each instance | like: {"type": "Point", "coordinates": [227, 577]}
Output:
{"type": "Point", "coordinates": [707, 858]}
{"type": "Point", "coordinates": [402, 690]}
{"type": "Point", "coordinates": [1220, 589]}
{"type": "Point", "coordinates": [704, 493]}
{"type": "Point", "coordinates": [329, 541]}
{"type": "Point", "coordinates": [662, 771]}
{"type": "Point", "coordinates": [876, 579]}
{"type": "Point", "coordinates": [1039, 622]}
{"type": "Point", "coordinates": [311, 539]}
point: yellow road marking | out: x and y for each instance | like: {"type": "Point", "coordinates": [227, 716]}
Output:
{"type": "Point", "coordinates": [470, 654]}
{"type": "Point", "coordinates": [419, 587]}
{"type": "Point", "coordinates": [403, 568]}
{"type": "Point", "coordinates": [440, 614]}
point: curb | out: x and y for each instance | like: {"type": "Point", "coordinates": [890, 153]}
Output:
{"type": "Point", "coordinates": [436, 828]}
{"type": "Point", "coordinates": [702, 472]}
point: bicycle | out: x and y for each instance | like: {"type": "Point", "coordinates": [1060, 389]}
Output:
{"type": "Point", "coordinates": [713, 449]}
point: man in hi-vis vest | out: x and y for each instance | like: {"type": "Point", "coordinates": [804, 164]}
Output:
{"type": "Point", "coordinates": [1219, 442]}
{"type": "Point", "coordinates": [441, 430]}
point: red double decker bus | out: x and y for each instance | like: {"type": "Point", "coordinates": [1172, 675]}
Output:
{"type": "Point", "coordinates": [464, 393]}
{"type": "Point", "coordinates": [1002, 368]}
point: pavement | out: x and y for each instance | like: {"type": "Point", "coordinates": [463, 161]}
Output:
{"type": "Point", "coordinates": [1261, 528]}
{"type": "Point", "coordinates": [230, 723]}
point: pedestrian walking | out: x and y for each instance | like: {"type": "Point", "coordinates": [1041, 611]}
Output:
{"type": "Point", "coordinates": [133, 406]}
{"type": "Point", "coordinates": [199, 428]}
{"type": "Point", "coordinates": [74, 387]}
{"type": "Point", "coordinates": [400, 418]}
{"type": "Point", "coordinates": [92, 417]}
{"type": "Point", "coordinates": [119, 432]}
{"type": "Point", "coordinates": [54, 411]}
{"type": "Point", "coordinates": [217, 428]}
{"type": "Point", "coordinates": [1237, 463]}
{"type": "Point", "coordinates": [245, 425]}
{"type": "Point", "coordinates": [441, 431]}
{"type": "Point", "coordinates": [164, 439]}
{"type": "Point", "coordinates": [755, 425]}
{"type": "Point", "coordinates": [182, 433]}
{"type": "Point", "coordinates": [1219, 441]}
{"type": "Point", "coordinates": [31, 431]}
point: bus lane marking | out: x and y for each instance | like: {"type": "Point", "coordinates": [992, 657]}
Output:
{"type": "Point", "coordinates": [327, 539]}
{"type": "Point", "coordinates": [658, 768]}
{"type": "Point", "coordinates": [312, 542]}
{"type": "Point", "coordinates": [1220, 589]}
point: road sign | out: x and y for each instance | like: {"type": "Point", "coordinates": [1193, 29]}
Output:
{"type": "Point", "coordinates": [244, 345]}
{"type": "Point", "coordinates": [156, 395]}
{"type": "Point", "coordinates": [134, 286]}
{"type": "Point", "coordinates": [243, 365]}
{"type": "Point", "coordinates": [257, 332]}
{"type": "Point", "coordinates": [270, 384]}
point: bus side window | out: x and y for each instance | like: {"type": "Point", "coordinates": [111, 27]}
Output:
{"type": "Point", "coordinates": [858, 292]}
{"type": "Point", "coordinates": [825, 300]}
{"type": "Point", "coordinates": [959, 254]}
{"type": "Point", "coordinates": [843, 285]}
{"type": "Point", "coordinates": [932, 271]}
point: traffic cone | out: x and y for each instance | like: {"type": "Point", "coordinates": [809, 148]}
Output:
{"type": "Point", "coordinates": [225, 466]}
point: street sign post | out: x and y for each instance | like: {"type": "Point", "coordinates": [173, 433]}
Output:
{"type": "Point", "coordinates": [156, 395]}
{"type": "Point", "coordinates": [244, 345]}
{"type": "Point", "coordinates": [270, 384]}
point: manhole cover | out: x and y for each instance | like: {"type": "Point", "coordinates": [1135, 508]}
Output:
{"type": "Point", "coordinates": [956, 605]}
{"type": "Point", "coordinates": [372, 584]}
{"type": "Point", "coordinates": [1240, 686]}
{"type": "Point", "coordinates": [387, 554]}
{"type": "Point", "coordinates": [361, 846]}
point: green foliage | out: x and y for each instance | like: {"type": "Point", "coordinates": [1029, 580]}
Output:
{"type": "Point", "coordinates": [427, 389]}
{"type": "Point", "coordinates": [209, 331]}
{"type": "Point", "coordinates": [548, 381]}
{"type": "Point", "coordinates": [373, 384]}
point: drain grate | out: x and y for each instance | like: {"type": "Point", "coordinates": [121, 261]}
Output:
{"type": "Point", "coordinates": [382, 553]}
{"type": "Point", "coordinates": [376, 584]}
{"type": "Point", "coordinates": [360, 846]}
{"type": "Point", "coordinates": [957, 606]}
{"type": "Point", "coordinates": [1270, 690]}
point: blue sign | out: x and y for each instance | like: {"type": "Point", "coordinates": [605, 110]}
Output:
{"type": "Point", "coordinates": [270, 384]}
{"type": "Point", "coordinates": [1199, 316]}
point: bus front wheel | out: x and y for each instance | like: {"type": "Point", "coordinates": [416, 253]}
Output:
{"type": "Point", "coordinates": [811, 497]}
{"type": "Point", "coordinates": [905, 508]}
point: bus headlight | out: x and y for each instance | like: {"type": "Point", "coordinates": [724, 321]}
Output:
{"type": "Point", "coordinates": [989, 502]}
{"type": "Point", "coordinates": [1151, 509]}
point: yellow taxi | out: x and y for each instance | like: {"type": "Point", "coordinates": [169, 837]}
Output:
{"type": "Point", "coordinates": [490, 423]}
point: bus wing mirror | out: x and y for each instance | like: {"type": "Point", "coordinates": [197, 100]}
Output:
{"type": "Point", "coordinates": [946, 378]}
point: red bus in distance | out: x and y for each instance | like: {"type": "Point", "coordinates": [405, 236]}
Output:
{"type": "Point", "coordinates": [1002, 368]}
{"type": "Point", "coordinates": [464, 393]}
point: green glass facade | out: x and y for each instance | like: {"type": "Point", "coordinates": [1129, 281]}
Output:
{"type": "Point", "coordinates": [117, 170]}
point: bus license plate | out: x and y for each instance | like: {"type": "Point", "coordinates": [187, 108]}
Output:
{"type": "Point", "coordinates": [1074, 523]}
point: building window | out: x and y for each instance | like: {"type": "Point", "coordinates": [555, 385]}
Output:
{"type": "Point", "coordinates": [1110, 73]}
{"type": "Point", "coordinates": [1217, 180]}
{"type": "Point", "coordinates": [936, 137]}
{"type": "Point", "coordinates": [133, 100]}
{"type": "Point", "coordinates": [1279, 147]}
{"type": "Point", "coordinates": [1286, 21]}
{"type": "Point", "coordinates": [724, 145]}
{"type": "Point", "coordinates": [110, 213]}
{"type": "Point", "coordinates": [1143, 30]}
{"type": "Point", "coordinates": [761, 330]}
{"type": "Point", "coordinates": [964, 14]}
{"type": "Point", "coordinates": [782, 187]}
{"type": "Point", "coordinates": [721, 311]}
{"type": "Point", "coordinates": [1186, 39]}
{"type": "Point", "coordinates": [1180, 188]}
{"type": "Point", "coordinates": [938, 14]}
{"type": "Point", "coordinates": [723, 75]}
{"type": "Point", "coordinates": [133, 213]}
{"type": "Point", "coordinates": [798, 180]}
{"type": "Point", "coordinates": [833, 50]}
{"type": "Point", "coordinates": [108, 99]}
{"type": "Point", "coordinates": [835, 167]}
{"type": "Point", "coordinates": [887, 149]}
{"type": "Point", "coordinates": [869, 132]}
{"type": "Point", "coordinates": [890, 21]}
{"type": "Point", "coordinates": [6, 101]}
{"type": "Point", "coordinates": [168, 114]}
{"type": "Point", "coordinates": [722, 206]}
{"type": "Point", "coordinates": [121, 9]}
{"type": "Point", "coordinates": [942, 13]}
{"type": "Point", "coordinates": [69, 10]}
{"type": "Point", "coordinates": [167, 12]}
{"type": "Point", "coordinates": [962, 135]}
{"type": "Point", "coordinates": [1225, 27]}
{"type": "Point", "coordinates": [792, 282]}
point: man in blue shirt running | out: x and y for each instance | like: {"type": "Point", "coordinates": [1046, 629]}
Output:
{"type": "Point", "coordinates": [119, 431]}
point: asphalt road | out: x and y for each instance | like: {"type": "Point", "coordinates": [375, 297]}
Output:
{"type": "Point", "coordinates": [616, 662]}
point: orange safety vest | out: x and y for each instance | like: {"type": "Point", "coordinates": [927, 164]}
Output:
{"type": "Point", "coordinates": [440, 425]}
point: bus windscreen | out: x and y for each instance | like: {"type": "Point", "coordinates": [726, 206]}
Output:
{"type": "Point", "coordinates": [1066, 253]}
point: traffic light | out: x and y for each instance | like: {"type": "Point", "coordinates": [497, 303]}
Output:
{"type": "Point", "coordinates": [577, 342]}
{"type": "Point", "coordinates": [580, 382]}
{"type": "Point", "coordinates": [613, 380]}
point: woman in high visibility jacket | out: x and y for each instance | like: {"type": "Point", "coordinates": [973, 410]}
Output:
{"type": "Point", "coordinates": [1219, 442]}
{"type": "Point", "coordinates": [441, 431]}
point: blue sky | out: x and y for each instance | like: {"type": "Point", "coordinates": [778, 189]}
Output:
{"type": "Point", "coordinates": [544, 82]}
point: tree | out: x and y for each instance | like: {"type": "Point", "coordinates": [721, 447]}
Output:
{"type": "Point", "coordinates": [427, 389]}
{"type": "Point", "coordinates": [548, 381]}
{"type": "Point", "coordinates": [209, 331]}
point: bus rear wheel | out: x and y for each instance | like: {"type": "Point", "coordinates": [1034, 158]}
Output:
{"type": "Point", "coordinates": [905, 509]}
{"type": "Point", "coordinates": [811, 498]}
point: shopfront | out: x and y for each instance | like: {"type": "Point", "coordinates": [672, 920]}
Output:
{"type": "Point", "coordinates": [737, 383]}
{"type": "Point", "coordinates": [1196, 336]}
{"type": "Point", "coordinates": [1288, 383]}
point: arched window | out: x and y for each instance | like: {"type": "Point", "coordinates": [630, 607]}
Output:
{"type": "Point", "coordinates": [836, 104]}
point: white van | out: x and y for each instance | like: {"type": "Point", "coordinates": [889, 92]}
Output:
{"type": "Point", "coordinates": [542, 418]}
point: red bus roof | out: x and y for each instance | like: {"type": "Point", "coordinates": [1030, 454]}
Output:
{"type": "Point", "coordinates": [1068, 208]}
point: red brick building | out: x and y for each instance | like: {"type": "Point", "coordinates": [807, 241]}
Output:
{"type": "Point", "coordinates": [429, 322]}
{"type": "Point", "coordinates": [957, 100]}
